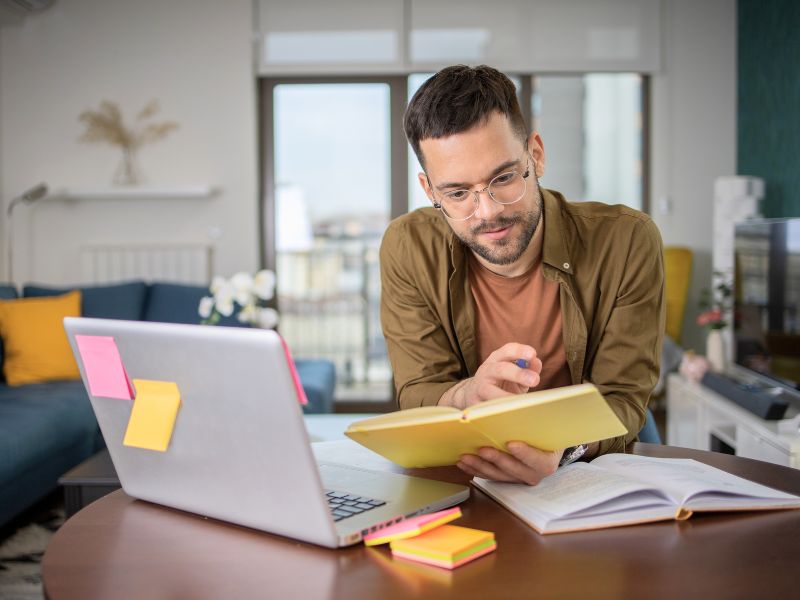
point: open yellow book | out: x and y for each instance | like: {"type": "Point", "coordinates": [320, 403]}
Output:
{"type": "Point", "coordinates": [432, 436]}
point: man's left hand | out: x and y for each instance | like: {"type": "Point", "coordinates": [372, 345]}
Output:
{"type": "Point", "coordinates": [521, 464]}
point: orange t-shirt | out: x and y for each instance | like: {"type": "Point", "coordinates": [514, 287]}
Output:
{"type": "Point", "coordinates": [525, 309]}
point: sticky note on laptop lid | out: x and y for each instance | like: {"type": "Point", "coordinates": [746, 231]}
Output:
{"type": "Point", "coordinates": [411, 527]}
{"type": "Point", "coordinates": [153, 416]}
{"type": "Point", "coordinates": [298, 386]}
{"type": "Point", "coordinates": [103, 366]}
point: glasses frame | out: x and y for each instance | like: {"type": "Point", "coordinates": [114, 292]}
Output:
{"type": "Point", "coordinates": [476, 199]}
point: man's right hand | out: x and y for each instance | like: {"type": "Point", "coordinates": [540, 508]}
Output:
{"type": "Point", "coordinates": [498, 376]}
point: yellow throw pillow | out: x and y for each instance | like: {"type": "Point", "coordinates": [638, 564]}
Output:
{"type": "Point", "coordinates": [35, 344]}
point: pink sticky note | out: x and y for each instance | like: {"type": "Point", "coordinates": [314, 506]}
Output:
{"type": "Point", "coordinates": [298, 386]}
{"type": "Point", "coordinates": [103, 366]}
{"type": "Point", "coordinates": [412, 527]}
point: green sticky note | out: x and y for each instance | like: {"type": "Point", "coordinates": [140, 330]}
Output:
{"type": "Point", "coordinates": [155, 409]}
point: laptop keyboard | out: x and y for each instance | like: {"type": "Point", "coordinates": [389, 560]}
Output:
{"type": "Point", "coordinates": [343, 505]}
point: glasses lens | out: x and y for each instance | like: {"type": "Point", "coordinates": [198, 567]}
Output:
{"type": "Point", "coordinates": [507, 188]}
{"type": "Point", "coordinates": [459, 204]}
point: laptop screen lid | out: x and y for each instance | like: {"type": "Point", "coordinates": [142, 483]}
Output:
{"type": "Point", "coordinates": [239, 450]}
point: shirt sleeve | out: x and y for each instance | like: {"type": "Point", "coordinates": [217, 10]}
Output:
{"type": "Point", "coordinates": [626, 366]}
{"type": "Point", "coordinates": [424, 361]}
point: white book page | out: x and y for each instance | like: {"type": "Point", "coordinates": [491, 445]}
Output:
{"type": "Point", "coordinates": [683, 479]}
{"type": "Point", "coordinates": [575, 488]}
{"type": "Point", "coordinates": [349, 453]}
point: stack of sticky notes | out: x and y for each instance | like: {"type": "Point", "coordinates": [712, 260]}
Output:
{"type": "Point", "coordinates": [448, 546]}
{"type": "Point", "coordinates": [427, 539]}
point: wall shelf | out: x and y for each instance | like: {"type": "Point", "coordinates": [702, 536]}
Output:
{"type": "Point", "coordinates": [133, 192]}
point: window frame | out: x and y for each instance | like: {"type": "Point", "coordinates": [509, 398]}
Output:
{"type": "Point", "coordinates": [398, 169]}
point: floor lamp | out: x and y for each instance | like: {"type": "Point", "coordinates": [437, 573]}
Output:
{"type": "Point", "coordinates": [37, 192]}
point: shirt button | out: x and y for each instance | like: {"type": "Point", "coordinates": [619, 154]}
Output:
{"type": "Point", "coordinates": [566, 265]}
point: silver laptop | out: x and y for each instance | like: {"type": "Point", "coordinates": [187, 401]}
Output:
{"type": "Point", "coordinates": [239, 450]}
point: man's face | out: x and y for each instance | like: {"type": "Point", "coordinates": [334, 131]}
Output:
{"type": "Point", "coordinates": [498, 234]}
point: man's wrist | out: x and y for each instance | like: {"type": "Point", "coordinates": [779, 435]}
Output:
{"type": "Point", "coordinates": [454, 396]}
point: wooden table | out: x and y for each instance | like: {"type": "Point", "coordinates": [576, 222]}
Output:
{"type": "Point", "coordinates": [122, 548]}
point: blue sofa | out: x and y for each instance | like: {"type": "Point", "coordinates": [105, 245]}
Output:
{"type": "Point", "coordinates": [48, 428]}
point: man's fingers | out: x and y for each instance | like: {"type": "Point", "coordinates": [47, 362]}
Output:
{"type": "Point", "coordinates": [507, 371]}
{"type": "Point", "coordinates": [536, 365]}
{"type": "Point", "coordinates": [477, 467]}
{"type": "Point", "coordinates": [541, 461]}
{"type": "Point", "coordinates": [512, 466]}
{"type": "Point", "coordinates": [511, 352]}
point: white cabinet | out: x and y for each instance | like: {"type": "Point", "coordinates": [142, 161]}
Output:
{"type": "Point", "coordinates": [699, 418]}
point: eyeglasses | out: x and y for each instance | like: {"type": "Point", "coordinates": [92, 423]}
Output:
{"type": "Point", "coordinates": [506, 188]}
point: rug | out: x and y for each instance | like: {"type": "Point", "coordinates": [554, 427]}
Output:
{"type": "Point", "coordinates": [21, 556]}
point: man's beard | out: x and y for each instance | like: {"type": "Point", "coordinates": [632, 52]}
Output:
{"type": "Point", "coordinates": [507, 250]}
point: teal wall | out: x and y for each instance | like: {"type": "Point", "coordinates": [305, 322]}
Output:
{"type": "Point", "coordinates": [768, 135]}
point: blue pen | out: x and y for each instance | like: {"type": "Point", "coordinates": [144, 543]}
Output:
{"type": "Point", "coordinates": [522, 363]}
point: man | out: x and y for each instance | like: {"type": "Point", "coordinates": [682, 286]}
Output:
{"type": "Point", "coordinates": [504, 286]}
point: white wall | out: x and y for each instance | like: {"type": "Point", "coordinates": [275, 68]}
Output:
{"type": "Point", "coordinates": [693, 132]}
{"type": "Point", "coordinates": [195, 57]}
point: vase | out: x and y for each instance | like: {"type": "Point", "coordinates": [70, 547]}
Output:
{"type": "Point", "coordinates": [715, 350]}
{"type": "Point", "coordinates": [128, 172]}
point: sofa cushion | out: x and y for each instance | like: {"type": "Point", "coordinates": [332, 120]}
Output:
{"type": "Point", "coordinates": [178, 303]}
{"type": "Point", "coordinates": [36, 344]}
{"type": "Point", "coordinates": [44, 427]}
{"type": "Point", "coordinates": [117, 301]}
{"type": "Point", "coordinates": [7, 292]}
{"type": "Point", "coordinates": [319, 382]}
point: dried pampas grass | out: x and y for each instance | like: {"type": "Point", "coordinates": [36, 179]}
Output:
{"type": "Point", "coordinates": [106, 125]}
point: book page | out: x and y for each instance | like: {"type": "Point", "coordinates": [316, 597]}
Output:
{"type": "Point", "coordinates": [576, 488]}
{"type": "Point", "coordinates": [684, 479]}
{"type": "Point", "coordinates": [351, 454]}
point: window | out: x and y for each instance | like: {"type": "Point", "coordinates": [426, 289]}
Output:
{"type": "Point", "coordinates": [337, 169]}
{"type": "Point", "coordinates": [331, 202]}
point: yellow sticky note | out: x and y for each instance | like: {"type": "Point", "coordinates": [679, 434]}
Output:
{"type": "Point", "coordinates": [153, 416]}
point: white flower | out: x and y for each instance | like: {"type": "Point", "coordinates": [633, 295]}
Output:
{"type": "Point", "coordinates": [247, 314]}
{"type": "Point", "coordinates": [223, 298]}
{"type": "Point", "coordinates": [248, 292]}
{"type": "Point", "coordinates": [267, 318]}
{"type": "Point", "coordinates": [206, 306]}
{"type": "Point", "coordinates": [264, 284]}
{"type": "Point", "coordinates": [216, 284]}
{"type": "Point", "coordinates": [242, 284]}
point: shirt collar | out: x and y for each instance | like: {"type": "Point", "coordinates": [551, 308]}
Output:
{"type": "Point", "coordinates": [555, 251]}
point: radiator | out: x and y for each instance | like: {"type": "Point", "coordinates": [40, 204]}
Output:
{"type": "Point", "coordinates": [182, 263]}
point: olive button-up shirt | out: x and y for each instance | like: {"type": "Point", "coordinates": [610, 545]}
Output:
{"type": "Point", "coordinates": [608, 262]}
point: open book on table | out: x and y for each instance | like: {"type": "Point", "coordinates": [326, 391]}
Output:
{"type": "Point", "coordinates": [624, 489]}
{"type": "Point", "coordinates": [432, 436]}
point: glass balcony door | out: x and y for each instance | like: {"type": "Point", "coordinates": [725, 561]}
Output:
{"type": "Point", "coordinates": [331, 190]}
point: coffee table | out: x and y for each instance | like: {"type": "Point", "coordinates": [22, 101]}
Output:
{"type": "Point", "coordinates": [92, 479]}
{"type": "Point", "coordinates": [123, 548]}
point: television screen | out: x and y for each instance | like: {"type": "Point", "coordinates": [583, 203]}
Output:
{"type": "Point", "coordinates": [767, 299]}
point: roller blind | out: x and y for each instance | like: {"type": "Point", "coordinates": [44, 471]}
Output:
{"type": "Point", "coordinates": [405, 36]}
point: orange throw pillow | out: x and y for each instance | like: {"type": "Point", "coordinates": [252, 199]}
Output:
{"type": "Point", "coordinates": [35, 344]}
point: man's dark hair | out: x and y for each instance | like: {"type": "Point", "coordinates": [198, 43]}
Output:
{"type": "Point", "coordinates": [458, 98]}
